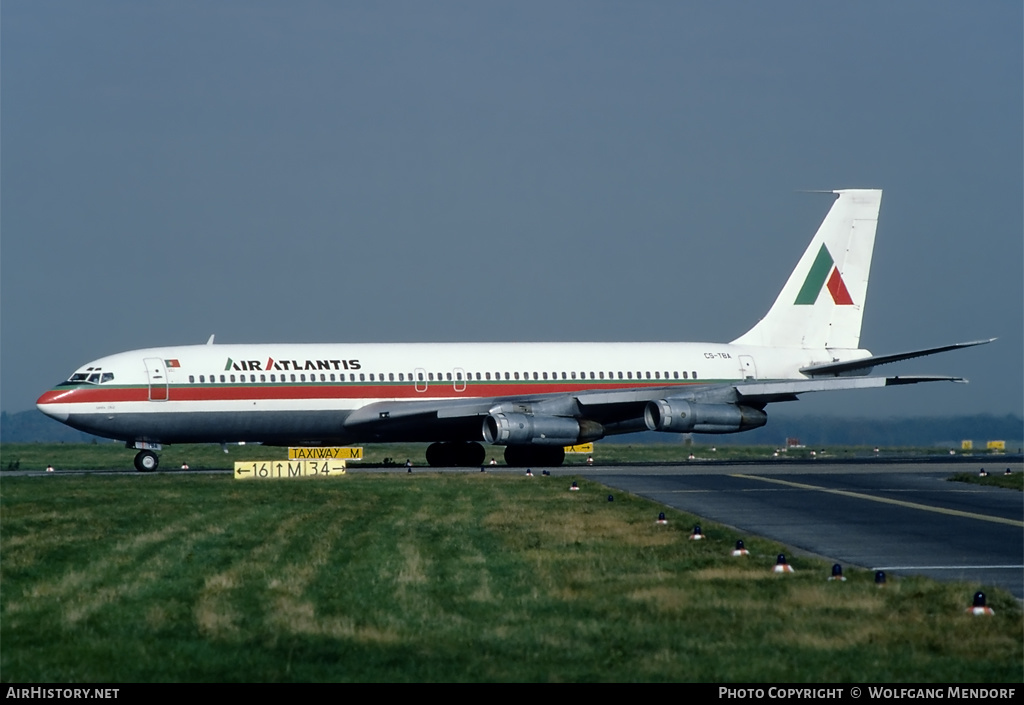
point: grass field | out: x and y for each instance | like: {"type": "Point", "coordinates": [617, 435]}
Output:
{"type": "Point", "coordinates": [429, 577]}
{"type": "Point", "coordinates": [995, 478]}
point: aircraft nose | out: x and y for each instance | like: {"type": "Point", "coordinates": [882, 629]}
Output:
{"type": "Point", "coordinates": [47, 405]}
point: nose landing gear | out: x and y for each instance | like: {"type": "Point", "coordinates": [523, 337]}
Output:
{"type": "Point", "coordinates": [146, 461]}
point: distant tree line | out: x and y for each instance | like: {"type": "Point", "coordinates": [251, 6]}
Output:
{"type": "Point", "coordinates": [910, 431]}
{"type": "Point", "coordinates": [919, 431]}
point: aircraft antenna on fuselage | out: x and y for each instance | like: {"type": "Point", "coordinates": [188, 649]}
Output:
{"type": "Point", "coordinates": [210, 341]}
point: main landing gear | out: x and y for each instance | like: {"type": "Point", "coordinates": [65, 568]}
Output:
{"type": "Point", "coordinates": [146, 461]}
{"type": "Point", "coordinates": [465, 455]}
{"type": "Point", "coordinates": [455, 455]}
{"type": "Point", "coordinates": [539, 456]}
{"type": "Point", "coordinates": [471, 454]}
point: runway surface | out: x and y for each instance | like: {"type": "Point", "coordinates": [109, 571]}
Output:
{"type": "Point", "coordinates": [900, 518]}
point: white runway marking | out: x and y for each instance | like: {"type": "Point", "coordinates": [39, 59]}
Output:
{"type": "Point", "coordinates": [885, 500]}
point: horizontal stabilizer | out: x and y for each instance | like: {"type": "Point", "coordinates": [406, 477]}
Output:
{"type": "Point", "coordinates": [837, 368]}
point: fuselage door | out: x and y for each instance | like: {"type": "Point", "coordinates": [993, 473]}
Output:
{"type": "Point", "coordinates": [156, 371]}
{"type": "Point", "coordinates": [459, 379]}
{"type": "Point", "coordinates": [420, 379]}
{"type": "Point", "coordinates": [747, 367]}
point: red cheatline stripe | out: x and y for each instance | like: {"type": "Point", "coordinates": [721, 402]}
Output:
{"type": "Point", "coordinates": [837, 288]}
{"type": "Point", "coordinates": [94, 395]}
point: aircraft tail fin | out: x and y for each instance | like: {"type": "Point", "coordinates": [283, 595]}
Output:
{"type": "Point", "coordinates": [822, 303]}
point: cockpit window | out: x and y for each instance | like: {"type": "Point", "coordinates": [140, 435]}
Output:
{"type": "Point", "coordinates": [91, 377]}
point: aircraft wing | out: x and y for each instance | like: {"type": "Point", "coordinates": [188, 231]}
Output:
{"type": "Point", "coordinates": [751, 393]}
{"type": "Point", "coordinates": [616, 410]}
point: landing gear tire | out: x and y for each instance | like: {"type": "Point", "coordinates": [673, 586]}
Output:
{"type": "Point", "coordinates": [146, 461]}
{"type": "Point", "coordinates": [455, 455]}
{"type": "Point", "coordinates": [437, 455]}
{"type": "Point", "coordinates": [541, 456]}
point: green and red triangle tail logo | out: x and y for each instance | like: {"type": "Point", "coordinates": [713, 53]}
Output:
{"type": "Point", "coordinates": [823, 273]}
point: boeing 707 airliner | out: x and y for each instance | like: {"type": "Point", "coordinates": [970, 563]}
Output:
{"type": "Point", "coordinates": [531, 398]}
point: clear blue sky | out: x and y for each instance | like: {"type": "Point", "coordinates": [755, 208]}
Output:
{"type": "Point", "coordinates": [405, 171]}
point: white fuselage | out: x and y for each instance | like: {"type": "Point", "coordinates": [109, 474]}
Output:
{"type": "Point", "coordinates": [270, 393]}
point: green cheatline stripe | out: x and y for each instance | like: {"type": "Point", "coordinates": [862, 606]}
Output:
{"type": "Point", "coordinates": [815, 278]}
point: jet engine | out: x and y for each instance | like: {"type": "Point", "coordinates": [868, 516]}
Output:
{"type": "Point", "coordinates": [680, 416]}
{"type": "Point", "coordinates": [516, 429]}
